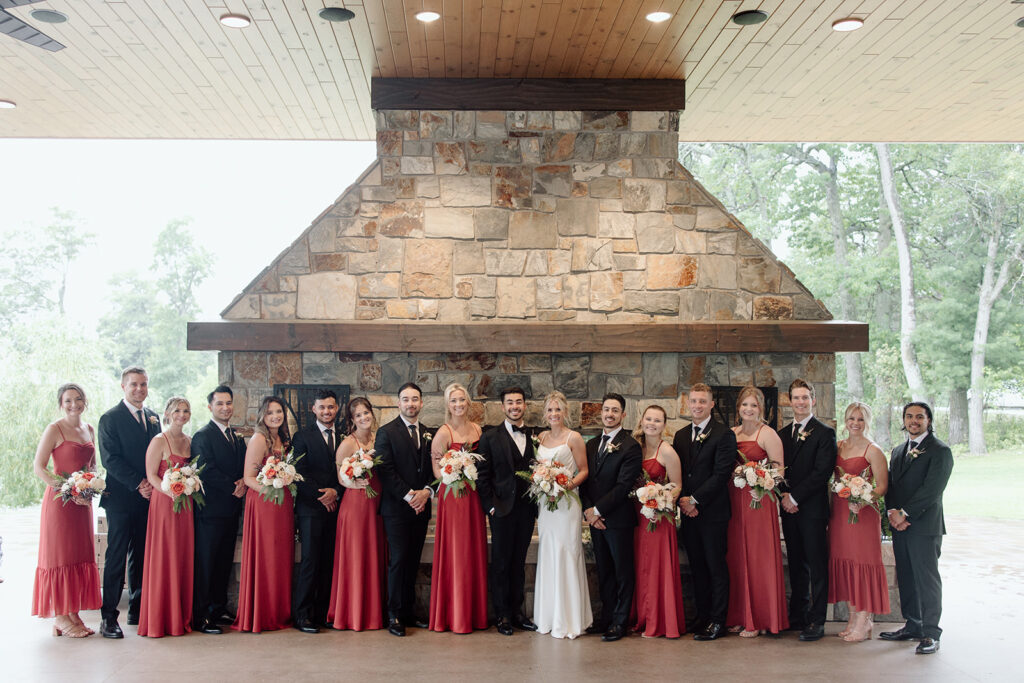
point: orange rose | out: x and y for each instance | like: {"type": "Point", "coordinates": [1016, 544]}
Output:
{"type": "Point", "coordinates": [448, 469]}
{"type": "Point", "coordinates": [651, 504]}
{"type": "Point", "coordinates": [750, 464]}
{"type": "Point", "coordinates": [271, 474]}
{"type": "Point", "coordinates": [88, 476]}
{"type": "Point", "coordinates": [348, 471]}
{"type": "Point", "coordinates": [561, 480]}
{"type": "Point", "coordinates": [177, 488]}
{"type": "Point", "coordinates": [759, 472]}
{"type": "Point", "coordinates": [844, 492]}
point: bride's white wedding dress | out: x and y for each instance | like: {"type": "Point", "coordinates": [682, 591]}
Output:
{"type": "Point", "coordinates": [561, 601]}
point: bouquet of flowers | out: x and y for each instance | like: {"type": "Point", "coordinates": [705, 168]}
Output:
{"type": "Point", "coordinates": [657, 502]}
{"type": "Point", "coordinates": [549, 482]}
{"type": "Point", "coordinates": [183, 484]}
{"type": "Point", "coordinates": [83, 484]}
{"type": "Point", "coordinates": [855, 489]}
{"type": "Point", "coordinates": [276, 474]}
{"type": "Point", "coordinates": [357, 467]}
{"type": "Point", "coordinates": [458, 470]}
{"type": "Point", "coordinates": [761, 477]}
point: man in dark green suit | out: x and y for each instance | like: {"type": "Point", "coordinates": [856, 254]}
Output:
{"type": "Point", "coordinates": [918, 472]}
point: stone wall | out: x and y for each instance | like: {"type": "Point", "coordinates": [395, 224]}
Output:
{"type": "Point", "coordinates": [643, 378]}
{"type": "Point", "coordinates": [504, 215]}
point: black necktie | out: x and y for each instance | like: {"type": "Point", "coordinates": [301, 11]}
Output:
{"type": "Point", "coordinates": [604, 444]}
{"type": "Point", "coordinates": [415, 435]}
{"type": "Point", "coordinates": [330, 439]}
{"type": "Point", "coordinates": [696, 432]}
{"type": "Point", "coordinates": [230, 435]}
{"type": "Point", "coordinates": [142, 420]}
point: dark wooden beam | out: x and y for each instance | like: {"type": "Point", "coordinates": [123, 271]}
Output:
{"type": "Point", "coordinates": [538, 94]}
{"type": "Point", "coordinates": [528, 337]}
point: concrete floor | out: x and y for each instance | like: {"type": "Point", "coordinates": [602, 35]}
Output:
{"type": "Point", "coordinates": [983, 570]}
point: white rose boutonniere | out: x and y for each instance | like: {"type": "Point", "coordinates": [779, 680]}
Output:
{"type": "Point", "coordinates": [427, 436]}
{"type": "Point", "coordinates": [802, 436]}
{"type": "Point", "coordinates": [153, 419]}
{"type": "Point", "coordinates": [914, 452]}
{"type": "Point", "coordinates": [701, 437]}
{"type": "Point", "coordinates": [535, 441]}
{"type": "Point", "coordinates": [611, 447]}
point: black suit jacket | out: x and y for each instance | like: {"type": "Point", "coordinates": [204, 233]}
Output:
{"type": "Point", "coordinates": [402, 467]}
{"type": "Point", "coordinates": [222, 461]}
{"type": "Point", "coordinates": [317, 469]}
{"type": "Point", "coordinates": [916, 485]}
{"type": "Point", "coordinates": [809, 465]}
{"type": "Point", "coordinates": [123, 443]}
{"type": "Point", "coordinates": [609, 483]}
{"type": "Point", "coordinates": [498, 485]}
{"type": "Point", "coordinates": [707, 467]}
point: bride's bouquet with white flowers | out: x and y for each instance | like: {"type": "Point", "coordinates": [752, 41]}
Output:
{"type": "Point", "coordinates": [276, 474]}
{"type": "Point", "coordinates": [549, 483]}
{"type": "Point", "coordinates": [183, 484]}
{"type": "Point", "coordinates": [458, 470]}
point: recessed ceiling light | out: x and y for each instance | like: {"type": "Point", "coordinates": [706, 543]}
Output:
{"type": "Point", "coordinates": [749, 17]}
{"type": "Point", "coordinates": [658, 17]}
{"type": "Point", "coordinates": [1020, 23]}
{"type": "Point", "coordinates": [48, 16]}
{"type": "Point", "coordinates": [7, 104]}
{"type": "Point", "coordinates": [235, 20]}
{"type": "Point", "coordinates": [427, 17]}
{"type": "Point", "coordinates": [336, 14]}
{"type": "Point", "coordinates": [848, 24]}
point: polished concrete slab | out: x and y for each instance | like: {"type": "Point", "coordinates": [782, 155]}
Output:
{"type": "Point", "coordinates": [983, 570]}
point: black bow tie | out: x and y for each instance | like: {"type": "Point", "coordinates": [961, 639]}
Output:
{"type": "Point", "coordinates": [521, 430]}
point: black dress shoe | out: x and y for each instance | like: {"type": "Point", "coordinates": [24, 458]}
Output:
{"type": "Point", "coordinates": [110, 629]}
{"type": "Point", "coordinates": [904, 633]}
{"type": "Point", "coordinates": [210, 627]}
{"type": "Point", "coordinates": [504, 627]}
{"type": "Point", "coordinates": [133, 619]}
{"type": "Point", "coordinates": [227, 618]}
{"type": "Point", "coordinates": [812, 633]}
{"type": "Point", "coordinates": [306, 626]}
{"type": "Point", "coordinates": [614, 633]}
{"type": "Point", "coordinates": [595, 628]}
{"type": "Point", "coordinates": [524, 624]}
{"type": "Point", "coordinates": [413, 622]}
{"type": "Point", "coordinates": [713, 631]}
{"type": "Point", "coordinates": [927, 646]}
{"type": "Point", "coordinates": [396, 628]}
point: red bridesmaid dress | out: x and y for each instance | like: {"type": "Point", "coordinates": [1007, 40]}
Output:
{"type": "Point", "coordinates": [268, 557]}
{"type": "Point", "coordinates": [166, 608]}
{"type": "Point", "coordinates": [458, 581]}
{"type": "Point", "coordinates": [67, 579]}
{"type": "Point", "coordinates": [658, 598]}
{"type": "Point", "coordinates": [357, 591]}
{"type": "Point", "coordinates": [757, 593]}
{"type": "Point", "coordinates": [855, 570]}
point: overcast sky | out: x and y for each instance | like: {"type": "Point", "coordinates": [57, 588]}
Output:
{"type": "Point", "coordinates": [248, 200]}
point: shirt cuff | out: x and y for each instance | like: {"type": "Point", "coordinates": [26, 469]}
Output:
{"type": "Point", "coordinates": [794, 500]}
{"type": "Point", "coordinates": [693, 499]}
{"type": "Point", "coordinates": [597, 512]}
{"type": "Point", "coordinates": [408, 497]}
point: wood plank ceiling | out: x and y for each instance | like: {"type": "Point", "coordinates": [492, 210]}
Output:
{"type": "Point", "coordinates": [919, 70]}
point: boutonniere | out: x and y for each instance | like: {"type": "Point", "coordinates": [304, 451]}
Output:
{"type": "Point", "coordinates": [701, 437]}
{"type": "Point", "coordinates": [802, 436]}
{"type": "Point", "coordinates": [914, 452]}
{"type": "Point", "coordinates": [153, 420]}
{"type": "Point", "coordinates": [427, 436]}
{"type": "Point", "coordinates": [535, 441]}
{"type": "Point", "coordinates": [611, 447]}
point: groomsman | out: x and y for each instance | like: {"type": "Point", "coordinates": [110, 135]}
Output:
{"type": "Point", "coordinates": [918, 473]}
{"type": "Point", "coordinates": [220, 453]}
{"type": "Point", "coordinates": [508, 448]}
{"type": "Point", "coordinates": [707, 452]}
{"type": "Point", "coordinates": [124, 435]}
{"type": "Point", "coordinates": [614, 462]}
{"type": "Point", "coordinates": [809, 449]}
{"type": "Point", "coordinates": [316, 512]}
{"type": "Point", "coordinates": [403, 446]}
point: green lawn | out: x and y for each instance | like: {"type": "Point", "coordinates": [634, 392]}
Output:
{"type": "Point", "coordinates": [980, 486]}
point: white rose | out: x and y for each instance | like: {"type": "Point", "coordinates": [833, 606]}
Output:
{"type": "Point", "coordinates": [97, 484]}
{"type": "Point", "coordinates": [769, 483]}
{"type": "Point", "coordinates": [751, 476]}
{"type": "Point", "coordinates": [278, 483]}
{"type": "Point", "coordinates": [165, 486]}
{"type": "Point", "coordinates": [739, 482]}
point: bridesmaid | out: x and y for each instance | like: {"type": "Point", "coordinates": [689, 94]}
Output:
{"type": "Point", "coordinates": [166, 608]}
{"type": "Point", "coordinates": [458, 582]}
{"type": "Point", "coordinates": [658, 599]}
{"type": "Point", "coordinates": [757, 595]}
{"type": "Point", "coordinates": [855, 569]}
{"type": "Point", "coordinates": [67, 579]}
{"type": "Point", "coordinates": [359, 565]}
{"type": "Point", "coordinates": [268, 531]}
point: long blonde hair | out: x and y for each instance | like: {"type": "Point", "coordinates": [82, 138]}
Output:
{"type": "Point", "coordinates": [559, 398]}
{"type": "Point", "coordinates": [448, 391]}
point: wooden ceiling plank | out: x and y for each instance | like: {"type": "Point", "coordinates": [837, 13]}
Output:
{"type": "Point", "coordinates": [490, 20]}
{"type": "Point", "coordinates": [603, 25]}
{"type": "Point", "coordinates": [529, 15]}
{"type": "Point", "coordinates": [454, 22]}
{"type": "Point", "coordinates": [340, 90]}
{"type": "Point", "coordinates": [562, 29]}
{"type": "Point", "coordinates": [668, 54]}
{"type": "Point", "coordinates": [688, 47]}
{"type": "Point", "coordinates": [625, 16]}
{"type": "Point", "coordinates": [508, 25]}
{"type": "Point", "coordinates": [282, 73]}
{"type": "Point", "coordinates": [582, 33]}
{"type": "Point", "coordinates": [545, 36]}
{"type": "Point", "coordinates": [414, 33]}
{"type": "Point", "coordinates": [471, 14]}
{"type": "Point", "coordinates": [379, 38]}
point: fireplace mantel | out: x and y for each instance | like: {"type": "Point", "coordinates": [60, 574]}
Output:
{"type": "Point", "coordinates": [733, 336]}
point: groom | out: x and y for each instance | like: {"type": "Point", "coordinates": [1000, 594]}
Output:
{"type": "Point", "coordinates": [508, 448]}
{"type": "Point", "coordinates": [614, 462]}
{"type": "Point", "coordinates": [918, 473]}
{"type": "Point", "coordinates": [403, 446]}
{"type": "Point", "coordinates": [124, 435]}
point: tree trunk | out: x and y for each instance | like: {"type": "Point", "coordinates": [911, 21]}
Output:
{"type": "Point", "coordinates": [957, 415]}
{"type": "Point", "coordinates": [881, 429]}
{"type": "Point", "coordinates": [908, 304]}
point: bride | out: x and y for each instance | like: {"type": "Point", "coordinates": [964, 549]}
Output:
{"type": "Point", "coordinates": [561, 601]}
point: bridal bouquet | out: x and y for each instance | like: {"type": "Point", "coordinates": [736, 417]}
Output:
{"type": "Point", "coordinates": [761, 477]}
{"type": "Point", "coordinates": [358, 467]}
{"type": "Point", "coordinates": [83, 484]}
{"type": "Point", "coordinates": [276, 474]}
{"type": "Point", "coordinates": [855, 489]}
{"type": "Point", "coordinates": [549, 482]}
{"type": "Point", "coordinates": [183, 484]}
{"type": "Point", "coordinates": [458, 470]}
{"type": "Point", "coordinates": [657, 502]}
